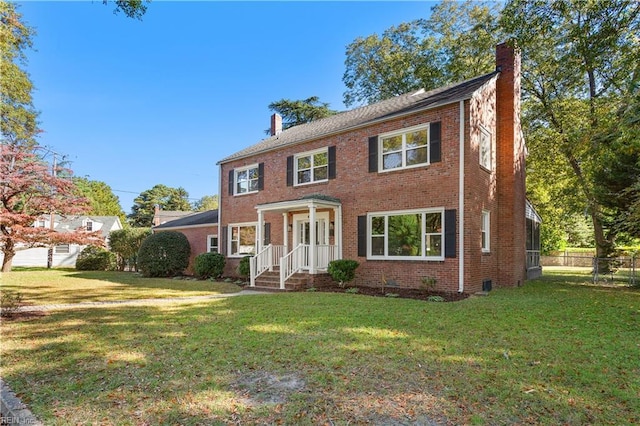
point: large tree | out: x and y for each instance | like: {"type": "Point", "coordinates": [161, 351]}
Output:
{"type": "Point", "coordinates": [29, 193]}
{"type": "Point", "coordinates": [165, 197]}
{"type": "Point", "coordinates": [455, 43]}
{"type": "Point", "coordinates": [300, 111]}
{"type": "Point", "coordinates": [579, 60]}
{"type": "Point", "coordinates": [102, 200]}
{"type": "Point", "coordinates": [131, 8]}
{"type": "Point", "coordinates": [208, 202]}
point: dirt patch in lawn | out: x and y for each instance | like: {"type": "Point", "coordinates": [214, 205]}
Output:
{"type": "Point", "coordinates": [262, 387]}
{"type": "Point", "coordinates": [399, 292]}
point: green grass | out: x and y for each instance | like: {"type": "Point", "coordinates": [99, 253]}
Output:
{"type": "Point", "coordinates": [40, 286]}
{"type": "Point", "coordinates": [552, 352]}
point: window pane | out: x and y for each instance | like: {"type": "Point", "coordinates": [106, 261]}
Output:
{"type": "Point", "coordinates": [434, 223]}
{"type": "Point", "coordinates": [242, 175]}
{"type": "Point", "coordinates": [320, 173]}
{"type": "Point", "coordinates": [377, 246]}
{"type": "Point", "coordinates": [416, 139]}
{"type": "Point", "coordinates": [405, 235]}
{"type": "Point", "coordinates": [391, 161]}
{"type": "Point", "coordinates": [304, 162]}
{"type": "Point", "coordinates": [247, 239]}
{"type": "Point", "coordinates": [416, 156]}
{"type": "Point", "coordinates": [377, 226]}
{"type": "Point", "coordinates": [304, 176]}
{"type": "Point", "coordinates": [242, 187]}
{"type": "Point", "coordinates": [320, 159]}
{"type": "Point", "coordinates": [253, 185]}
{"type": "Point", "coordinates": [394, 143]}
{"type": "Point", "coordinates": [253, 173]}
{"type": "Point", "coordinates": [234, 233]}
{"type": "Point", "coordinates": [234, 247]}
{"type": "Point", "coordinates": [434, 245]}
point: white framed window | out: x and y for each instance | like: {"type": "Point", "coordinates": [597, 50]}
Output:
{"type": "Point", "coordinates": [212, 244]}
{"type": "Point", "coordinates": [406, 235]}
{"type": "Point", "coordinates": [486, 148]}
{"type": "Point", "coordinates": [62, 249]}
{"type": "Point", "coordinates": [88, 225]}
{"type": "Point", "coordinates": [40, 224]}
{"type": "Point", "coordinates": [405, 149]}
{"type": "Point", "coordinates": [311, 167]}
{"type": "Point", "coordinates": [242, 239]}
{"type": "Point", "coordinates": [246, 180]}
{"type": "Point", "coordinates": [486, 231]}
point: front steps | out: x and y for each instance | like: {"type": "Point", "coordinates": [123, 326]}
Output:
{"type": "Point", "coordinates": [300, 281]}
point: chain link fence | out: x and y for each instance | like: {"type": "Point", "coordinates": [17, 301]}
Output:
{"type": "Point", "coordinates": [621, 270]}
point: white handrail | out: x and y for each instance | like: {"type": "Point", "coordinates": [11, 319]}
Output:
{"type": "Point", "coordinates": [260, 263]}
{"type": "Point", "coordinates": [293, 262]}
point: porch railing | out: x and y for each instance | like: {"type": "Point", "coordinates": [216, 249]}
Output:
{"type": "Point", "coordinates": [294, 261]}
{"type": "Point", "coordinates": [264, 261]}
{"type": "Point", "coordinates": [324, 255]}
{"type": "Point", "coordinates": [533, 258]}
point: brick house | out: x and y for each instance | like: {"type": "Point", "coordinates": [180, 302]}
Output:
{"type": "Point", "coordinates": [429, 184]}
{"type": "Point", "coordinates": [201, 229]}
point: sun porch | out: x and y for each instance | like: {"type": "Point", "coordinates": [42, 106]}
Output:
{"type": "Point", "coordinates": [310, 236]}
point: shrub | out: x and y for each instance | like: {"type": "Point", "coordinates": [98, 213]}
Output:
{"type": "Point", "coordinates": [343, 270]}
{"type": "Point", "coordinates": [125, 243]}
{"type": "Point", "coordinates": [9, 303]}
{"type": "Point", "coordinates": [209, 265]}
{"type": "Point", "coordinates": [244, 267]}
{"type": "Point", "coordinates": [164, 254]}
{"type": "Point", "coordinates": [93, 258]}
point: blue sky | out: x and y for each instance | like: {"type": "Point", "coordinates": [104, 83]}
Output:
{"type": "Point", "coordinates": [160, 101]}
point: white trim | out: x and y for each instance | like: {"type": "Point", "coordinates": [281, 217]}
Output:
{"type": "Point", "coordinates": [403, 132]}
{"type": "Point", "coordinates": [485, 228]}
{"type": "Point", "coordinates": [461, 201]}
{"type": "Point", "coordinates": [310, 154]}
{"type": "Point", "coordinates": [229, 239]}
{"type": "Point", "coordinates": [488, 133]}
{"type": "Point", "coordinates": [423, 212]}
{"type": "Point", "coordinates": [217, 246]}
{"type": "Point", "coordinates": [235, 178]}
{"type": "Point", "coordinates": [220, 209]}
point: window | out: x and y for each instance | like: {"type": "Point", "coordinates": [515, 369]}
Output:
{"type": "Point", "coordinates": [312, 167]}
{"type": "Point", "coordinates": [242, 240]}
{"type": "Point", "coordinates": [246, 180]}
{"type": "Point", "coordinates": [486, 148]}
{"type": "Point", "coordinates": [62, 249]}
{"type": "Point", "coordinates": [40, 224]}
{"type": "Point", "coordinates": [212, 244]}
{"type": "Point", "coordinates": [403, 150]}
{"type": "Point", "coordinates": [416, 234]}
{"type": "Point", "coordinates": [486, 231]}
{"type": "Point", "coordinates": [89, 226]}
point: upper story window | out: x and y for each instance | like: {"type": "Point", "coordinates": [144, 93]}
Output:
{"type": "Point", "coordinates": [246, 180]}
{"type": "Point", "coordinates": [312, 167]}
{"type": "Point", "coordinates": [486, 149]}
{"type": "Point", "coordinates": [406, 148]}
{"type": "Point", "coordinates": [88, 225]}
{"type": "Point", "coordinates": [40, 224]}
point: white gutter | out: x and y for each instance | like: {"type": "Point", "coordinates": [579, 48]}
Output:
{"type": "Point", "coordinates": [220, 249]}
{"type": "Point", "coordinates": [461, 202]}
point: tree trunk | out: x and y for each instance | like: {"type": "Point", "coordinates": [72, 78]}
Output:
{"type": "Point", "coordinates": [604, 245]}
{"type": "Point", "coordinates": [7, 259]}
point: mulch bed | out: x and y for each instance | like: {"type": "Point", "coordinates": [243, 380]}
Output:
{"type": "Point", "coordinates": [402, 293]}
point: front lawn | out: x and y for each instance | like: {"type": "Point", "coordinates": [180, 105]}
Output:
{"type": "Point", "coordinates": [40, 286]}
{"type": "Point", "coordinates": [551, 352]}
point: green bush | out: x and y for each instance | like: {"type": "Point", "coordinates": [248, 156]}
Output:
{"type": "Point", "coordinates": [244, 267]}
{"type": "Point", "coordinates": [164, 254]}
{"type": "Point", "coordinates": [9, 302]}
{"type": "Point", "coordinates": [209, 265]}
{"type": "Point", "coordinates": [93, 258]}
{"type": "Point", "coordinates": [343, 270]}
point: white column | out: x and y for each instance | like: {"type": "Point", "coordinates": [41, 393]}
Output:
{"type": "Point", "coordinates": [312, 239]}
{"type": "Point", "coordinates": [338, 230]}
{"type": "Point", "coordinates": [285, 227]}
{"type": "Point", "coordinates": [259, 232]}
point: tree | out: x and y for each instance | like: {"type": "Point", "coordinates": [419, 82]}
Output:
{"type": "Point", "coordinates": [125, 243]}
{"type": "Point", "coordinates": [18, 118]}
{"type": "Point", "coordinates": [165, 197]}
{"type": "Point", "coordinates": [101, 198]}
{"type": "Point", "coordinates": [28, 192]}
{"type": "Point", "coordinates": [457, 42]}
{"type": "Point", "coordinates": [131, 8]}
{"type": "Point", "coordinates": [579, 60]}
{"type": "Point", "coordinates": [300, 112]}
{"type": "Point", "coordinates": [208, 202]}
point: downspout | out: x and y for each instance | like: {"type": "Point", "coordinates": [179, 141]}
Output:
{"type": "Point", "coordinates": [220, 248]}
{"type": "Point", "coordinates": [461, 202]}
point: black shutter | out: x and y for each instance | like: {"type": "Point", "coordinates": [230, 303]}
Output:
{"type": "Point", "coordinates": [373, 154]}
{"type": "Point", "coordinates": [332, 162]}
{"type": "Point", "coordinates": [267, 234]}
{"type": "Point", "coordinates": [231, 175]}
{"type": "Point", "coordinates": [260, 176]}
{"type": "Point", "coordinates": [362, 236]}
{"type": "Point", "coordinates": [222, 244]}
{"type": "Point", "coordinates": [434, 142]}
{"type": "Point", "coordinates": [290, 170]}
{"type": "Point", "coordinates": [450, 233]}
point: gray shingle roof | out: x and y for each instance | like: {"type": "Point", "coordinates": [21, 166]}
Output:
{"type": "Point", "coordinates": [209, 217]}
{"type": "Point", "coordinates": [363, 116]}
{"type": "Point", "coordinates": [71, 223]}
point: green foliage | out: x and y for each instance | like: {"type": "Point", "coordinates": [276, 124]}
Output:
{"type": "Point", "coordinates": [343, 270]}
{"type": "Point", "coordinates": [208, 202]}
{"type": "Point", "coordinates": [392, 295]}
{"type": "Point", "coordinates": [93, 258]}
{"type": "Point", "coordinates": [167, 198]}
{"type": "Point", "coordinates": [244, 267]}
{"type": "Point", "coordinates": [435, 299]}
{"type": "Point", "coordinates": [102, 199]}
{"type": "Point", "coordinates": [10, 301]}
{"type": "Point", "coordinates": [299, 112]}
{"type": "Point", "coordinates": [352, 290]}
{"type": "Point", "coordinates": [125, 243]}
{"type": "Point", "coordinates": [164, 254]}
{"type": "Point", "coordinates": [131, 8]}
{"type": "Point", "coordinates": [209, 265]}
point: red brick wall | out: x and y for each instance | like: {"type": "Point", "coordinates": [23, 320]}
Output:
{"type": "Point", "coordinates": [197, 237]}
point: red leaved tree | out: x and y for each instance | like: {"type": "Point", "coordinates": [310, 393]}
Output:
{"type": "Point", "coordinates": [28, 193]}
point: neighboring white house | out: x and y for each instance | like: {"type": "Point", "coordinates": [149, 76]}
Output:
{"type": "Point", "coordinates": [65, 255]}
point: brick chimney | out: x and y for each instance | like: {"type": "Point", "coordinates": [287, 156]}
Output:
{"type": "Point", "coordinates": [276, 124]}
{"type": "Point", "coordinates": [510, 169]}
